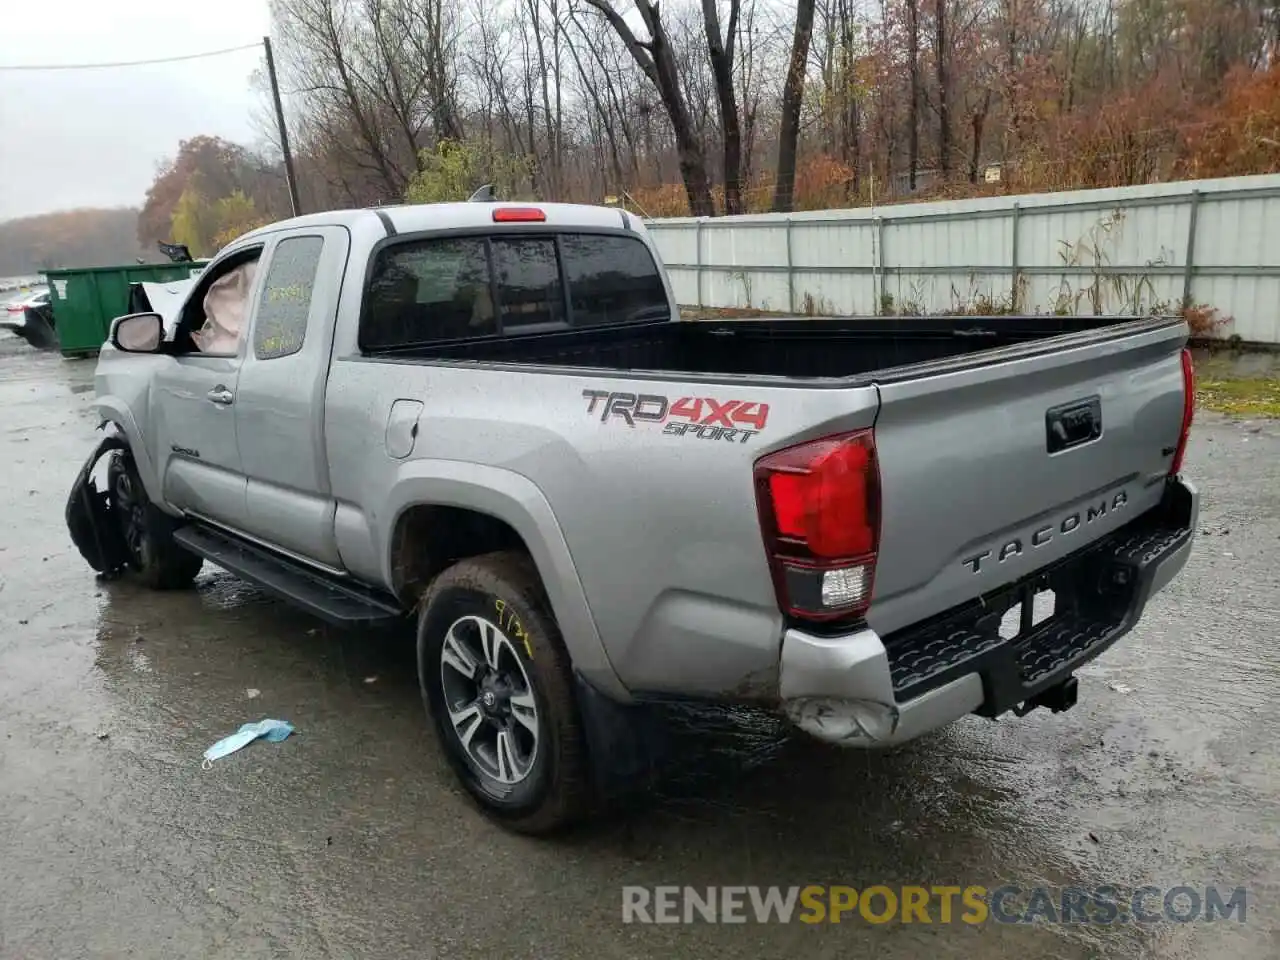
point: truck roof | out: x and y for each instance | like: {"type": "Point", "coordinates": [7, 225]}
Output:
{"type": "Point", "coordinates": [412, 218]}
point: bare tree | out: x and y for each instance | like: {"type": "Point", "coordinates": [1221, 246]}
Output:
{"type": "Point", "coordinates": [377, 82]}
{"type": "Point", "coordinates": [841, 115]}
{"type": "Point", "coordinates": [941, 53]}
{"type": "Point", "coordinates": [328, 55]}
{"type": "Point", "coordinates": [543, 81]}
{"type": "Point", "coordinates": [792, 94]}
{"type": "Point", "coordinates": [978, 123]}
{"type": "Point", "coordinates": [656, 59]}
{"type": "Point", "coordinates": [851, 114]}
{"type": "Point", "coordinates": [752, 62]}
{"type": "Point", "coordinates": [913, 101]}
{"type": "Point", "coordinates": [431, 28]}
{"type": "Point", "coordinates": [603, 119]}
{"type": "Point", "coordinates": [720, 48]}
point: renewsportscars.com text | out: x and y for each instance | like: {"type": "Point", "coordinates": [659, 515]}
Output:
{"type": "Point", "coordinates": [974, 904]}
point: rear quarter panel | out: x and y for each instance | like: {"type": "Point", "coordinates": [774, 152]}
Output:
{"type": "Point", "coordinates": [659, 522]}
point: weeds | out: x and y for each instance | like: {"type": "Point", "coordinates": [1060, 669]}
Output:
{"type": "Point", "coordinates": [816, 306]}
{"type": "Point", "coordinates": [1240, 396]}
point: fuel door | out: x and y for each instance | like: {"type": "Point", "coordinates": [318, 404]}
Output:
{"type": "Point", "coordinates": [402, 428]}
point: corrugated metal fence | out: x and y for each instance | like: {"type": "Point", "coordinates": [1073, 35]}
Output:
{"type": "Point", "coordinates": [1126, 250]}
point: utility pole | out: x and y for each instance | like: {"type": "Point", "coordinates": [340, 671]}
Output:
{"type": "Point", "coordinates": [290, 177]}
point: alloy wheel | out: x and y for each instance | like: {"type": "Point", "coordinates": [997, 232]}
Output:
{"type": "Point", "coordinates": [490, 700]}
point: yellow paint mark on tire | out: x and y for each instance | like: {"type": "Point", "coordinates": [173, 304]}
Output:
{"type": "Point", "coordinates": [510, 623]}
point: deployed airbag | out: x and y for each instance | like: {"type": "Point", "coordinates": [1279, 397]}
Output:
{"type": "Point", "coordinates": [225, 304]}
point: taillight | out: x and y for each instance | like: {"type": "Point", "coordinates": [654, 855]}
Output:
{"type": "Point", "coordinates": [1188, 410]}
{"type": "Point", "coordinates": [819, 508]}
{"type": "Point", "coordinates": [519, 215]}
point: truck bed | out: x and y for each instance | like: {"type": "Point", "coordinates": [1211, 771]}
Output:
{"type": "Point", "coordinates": [799, 348]}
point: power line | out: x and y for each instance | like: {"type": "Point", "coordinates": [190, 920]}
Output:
{"type": "Point", "coordinates": [128, 63]}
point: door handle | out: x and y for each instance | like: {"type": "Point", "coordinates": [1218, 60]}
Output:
{"type": "Point", "coordinates": [222, 395]}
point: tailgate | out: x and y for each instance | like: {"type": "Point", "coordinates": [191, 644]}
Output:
{"type": "Point", "coordinates": [989, 473]}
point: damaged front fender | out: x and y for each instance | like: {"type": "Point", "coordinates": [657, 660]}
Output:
{"type": "Point", "coordinates": [90, 514]}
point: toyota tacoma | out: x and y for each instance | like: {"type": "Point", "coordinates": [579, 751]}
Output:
{"type": "Point", "coordinates": [491, 418]}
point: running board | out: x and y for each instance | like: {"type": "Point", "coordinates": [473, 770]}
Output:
{"type": "Point", "coordinates": [336, 601]}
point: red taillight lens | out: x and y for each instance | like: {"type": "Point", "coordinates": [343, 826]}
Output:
{"type": "Point", "coordinates": [519, 215]}
{"type": "Point", "coordinates": [1188, 411]}
{"type": "Point", "coordinates": [820, 511]}
{"type": "Point", "coordinates": [819, 494]}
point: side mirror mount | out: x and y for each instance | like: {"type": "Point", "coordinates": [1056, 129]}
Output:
{"type": "Point", "coordinates": [137, 333]}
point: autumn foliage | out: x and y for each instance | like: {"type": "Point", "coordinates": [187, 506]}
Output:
{"type": "Point", "coordinates": [947, 99]}
{"type": "Point", "coordinates": [1240, 134]}
{"type": "Point", "coordinates": [209, 193]}
{"type": "Point", "coordinates": [899, 100]}
{"type": "Point", "coordinates": [1153, 134]}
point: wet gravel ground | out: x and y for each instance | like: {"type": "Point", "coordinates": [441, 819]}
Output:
{"type": "Point", "coordinates": [351, 840]}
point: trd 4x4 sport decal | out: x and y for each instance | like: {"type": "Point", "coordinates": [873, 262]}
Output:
{"type": "Point", "coordinates": [706, 418]}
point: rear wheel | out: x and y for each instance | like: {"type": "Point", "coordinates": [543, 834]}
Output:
{"type": "Point", "coordinates": [148, 532]}
{"type": "Point", "coordinates": [497, 684]}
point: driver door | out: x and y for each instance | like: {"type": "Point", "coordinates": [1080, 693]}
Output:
{"type": "Point", "coordinates": [193, 409]}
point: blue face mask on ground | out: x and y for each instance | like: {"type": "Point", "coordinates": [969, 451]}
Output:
{"type": "Point", "coordinates": [271, 730]}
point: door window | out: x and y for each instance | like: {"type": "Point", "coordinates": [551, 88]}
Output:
{"type": "Point", "coordinates": [285, 302]}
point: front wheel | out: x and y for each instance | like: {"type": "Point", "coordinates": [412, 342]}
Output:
{"type": "Point", "coordinates": [497, 684]}
{"type": "Point", "coordinates": [148, 532]}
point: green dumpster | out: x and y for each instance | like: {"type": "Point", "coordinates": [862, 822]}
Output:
{"type": "Point", "coordinates": [86, 299]}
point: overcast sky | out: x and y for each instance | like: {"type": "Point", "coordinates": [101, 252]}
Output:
{"type": "Point", "coordinates": [81, 138]}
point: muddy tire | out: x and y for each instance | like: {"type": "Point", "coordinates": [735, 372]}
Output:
{"type": "Point", "coordinates": [498, 687]}
{"type": "Point", "coordinates": [148, 531]}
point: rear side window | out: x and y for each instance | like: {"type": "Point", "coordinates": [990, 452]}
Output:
{"type": "Point", "coordinates": [425, 291]}
{"type": "Point", "coordinates": [612, 280]}
{"type": "Point", "coordinates": [281, 324]}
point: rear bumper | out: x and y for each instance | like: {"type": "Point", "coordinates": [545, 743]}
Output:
{"type": "Point", "coordinates": [861, 689]}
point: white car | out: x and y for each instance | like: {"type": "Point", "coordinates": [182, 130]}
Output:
{"type": "Point", "coordinates": [21, 303]}
{"type": "Point", "coordinates": [15, 317]}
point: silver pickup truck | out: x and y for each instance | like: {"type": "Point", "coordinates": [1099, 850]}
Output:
{"type": "Point", "coordinates": [490, 417]}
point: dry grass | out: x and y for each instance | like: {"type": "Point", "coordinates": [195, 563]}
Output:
{"type": "Point", "coordinates": [1240, 396]}
{"type": "Point", "coordinates": [1239, 384]}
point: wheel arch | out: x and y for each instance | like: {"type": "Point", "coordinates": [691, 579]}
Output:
{"type": "Point", "coordinates": [116, 417]}
{"type": "Point", "coordinates": [439, 512]}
